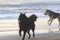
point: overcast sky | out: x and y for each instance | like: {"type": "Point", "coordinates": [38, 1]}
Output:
{"type": "Point", "coordinates": [25, 1]}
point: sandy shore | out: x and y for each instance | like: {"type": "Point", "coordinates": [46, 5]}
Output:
{"type": "Point", "coordinates": [44, 36]}
{"type": "Point", "coordinates": [9, 30]}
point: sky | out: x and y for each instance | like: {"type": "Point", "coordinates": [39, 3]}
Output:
{"type": "Point", "coordinates": [2, 2]}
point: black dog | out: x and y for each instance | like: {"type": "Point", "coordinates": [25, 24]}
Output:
{"type": "Point", "coordinates": [26, 24]}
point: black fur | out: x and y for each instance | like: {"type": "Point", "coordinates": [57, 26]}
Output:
{"type": "Point", "coordinates": [26, 24]}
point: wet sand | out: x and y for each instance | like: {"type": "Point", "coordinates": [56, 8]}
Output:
{"type": "Point", "coordinates": [44, 36]}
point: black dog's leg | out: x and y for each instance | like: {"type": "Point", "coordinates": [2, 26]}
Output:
{"type": "Point", "coordinates": [29, 34]}
{"type": "Point", "coordinates": [20, 28]}
{"type": "Point", "coordinates": [33, 32]}
{"type": "Point", "coordinates": [24, 35]}
{"type": "Point", "coordinates": [20, 32]}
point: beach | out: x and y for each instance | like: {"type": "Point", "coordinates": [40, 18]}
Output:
{"type": "Point", "coordinates": [9, 30]}
{"type": "Point", "coordinates": [44, 36]}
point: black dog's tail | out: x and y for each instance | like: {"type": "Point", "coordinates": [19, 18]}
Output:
{"type": "Point", "coordinates": [33, 18]}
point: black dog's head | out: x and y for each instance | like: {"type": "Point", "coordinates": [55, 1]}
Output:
{"type": "Point", "coordinates": [23, 19]}
{"type": "Point", "coordinates": [21, 16]}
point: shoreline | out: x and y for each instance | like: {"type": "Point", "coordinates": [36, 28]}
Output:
{"type": "Point", "coordinates": [44, 36]}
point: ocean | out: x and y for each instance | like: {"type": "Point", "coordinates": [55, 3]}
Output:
{"type": "Point", "coordinates": [7, 12]}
